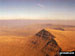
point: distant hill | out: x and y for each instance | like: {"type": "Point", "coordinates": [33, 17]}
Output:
{"type": "Point", "coordinates": [19, 23]}
{"type": "Point", "coordinates": [28, 27]}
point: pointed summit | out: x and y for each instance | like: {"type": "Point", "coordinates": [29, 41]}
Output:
{"type": "Point", "coordinates": [45, 42]}
{"type": "Point", "coordinates": [44, 34]}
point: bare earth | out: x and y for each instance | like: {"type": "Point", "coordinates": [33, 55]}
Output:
{"type": "Point", "coordinates": [21, 40]}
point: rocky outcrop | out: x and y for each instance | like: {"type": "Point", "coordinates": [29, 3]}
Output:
{"type": "Point", "coordinates": [44, 41]}
{"type": "Point", "coordinates": [44, 34]}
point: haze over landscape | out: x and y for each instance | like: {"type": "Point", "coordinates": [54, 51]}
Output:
{"type": "Point", "coordinates": [37, 9]}
{"type": "Point", "coordinates": [37, 27]}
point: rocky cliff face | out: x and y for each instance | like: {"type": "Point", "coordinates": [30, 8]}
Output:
{"type": "Point", "coordinates": [44, 43]}
{"type": "Point", "coordinates": [44, 34]}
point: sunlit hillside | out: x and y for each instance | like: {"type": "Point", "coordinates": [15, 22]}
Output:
{"type": "Point", "coordinates": [45, 42]}
{"type": "Point", "coordinates": [37, 27]}
{"type": "Point", "coordinates": [65, 39]}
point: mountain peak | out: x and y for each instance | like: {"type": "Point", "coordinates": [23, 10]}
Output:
{"type": "Point", "coordinates": [44, 34]}
{"type": "Point", "coordinates": [46, 43]}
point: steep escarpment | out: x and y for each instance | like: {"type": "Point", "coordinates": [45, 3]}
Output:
{"type": "Point", "coordinates": [44, 44]}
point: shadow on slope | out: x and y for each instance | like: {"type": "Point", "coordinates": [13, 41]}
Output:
{"type": "Point", "coordinates": [45, 45]}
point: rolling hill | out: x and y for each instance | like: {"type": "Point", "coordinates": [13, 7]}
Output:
{"type": "Point", "coordinates": [47, 42]}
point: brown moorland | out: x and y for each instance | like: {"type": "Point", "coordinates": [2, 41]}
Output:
{"type": "Point", "coordinates": [37, 39]}
{"type": "Point", "coordinates": [45, 43]}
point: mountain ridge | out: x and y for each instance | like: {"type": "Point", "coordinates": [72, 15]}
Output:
{"type": "Point", "coordinates": [45, 43]}
{"type": "Point", "coordinates": [61, 37]}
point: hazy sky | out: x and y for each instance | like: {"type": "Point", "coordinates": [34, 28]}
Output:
{"type": "Point", "coordinates": [37, 9]}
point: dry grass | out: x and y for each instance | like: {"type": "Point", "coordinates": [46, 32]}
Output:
{"type": "Point", "coordinates": [16, 42]}
{"type": "Point", "coordinates": [12, 45]}
{"type": "Point", "coordinates": [65, 39]}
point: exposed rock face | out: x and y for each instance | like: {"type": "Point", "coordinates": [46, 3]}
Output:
{"type": "Point", "coordinates": [51, 48]}
{"type": "Point", "coordinates": [45, 42]}
{"type": "Point", "coordinates": [45, 34]}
